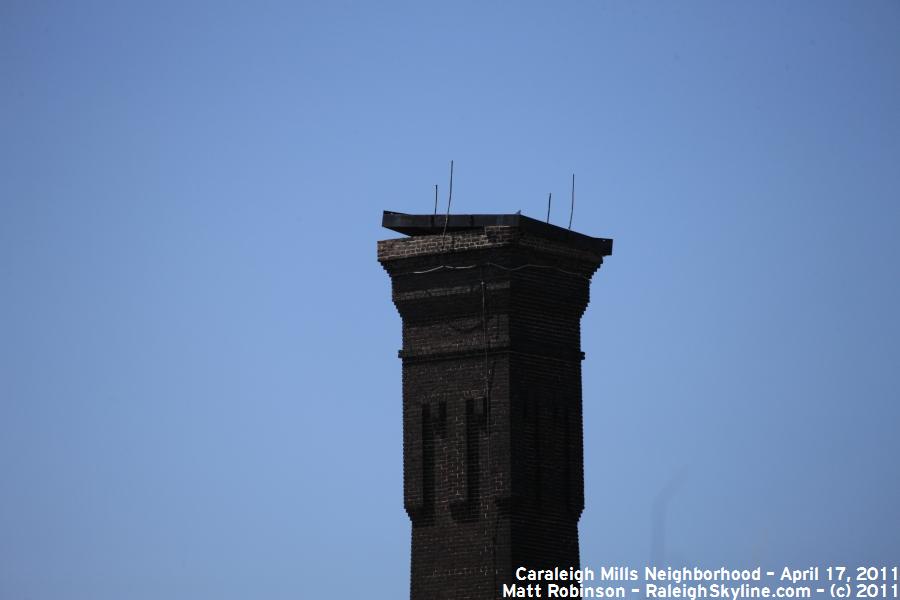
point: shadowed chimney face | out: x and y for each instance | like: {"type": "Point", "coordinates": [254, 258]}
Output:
{"type": "Point", "coordinates": [492, 421]}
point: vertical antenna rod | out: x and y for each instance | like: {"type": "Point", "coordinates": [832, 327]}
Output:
{"type": "Point", "coordinates": [435, 198]}
{"type": "Point", "coordinates": [449, 198]}
{"type": "Point", "coordinates": [572, 207]}
{"type": "Point", "coordinates": [549, 199]}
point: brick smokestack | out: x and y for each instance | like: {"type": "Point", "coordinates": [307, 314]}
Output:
{"type": "Point", "coordinates": [493, 474]}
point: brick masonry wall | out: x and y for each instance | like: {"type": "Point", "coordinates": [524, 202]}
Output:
{"type": "Point", "coordinates": [492, 417]}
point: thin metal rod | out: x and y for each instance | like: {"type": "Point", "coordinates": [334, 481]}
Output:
{"type": "Point", "coordinates": [572, 207]}
{"type": "Point", "coordinates": [549, 200]}
{"type": "Point", "coordinates": [449, 199]}
{"type": "Point", "coordinates": [435, 198]}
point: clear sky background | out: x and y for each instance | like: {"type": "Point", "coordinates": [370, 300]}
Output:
{"type": "Point", "coordinates": [199, 383]}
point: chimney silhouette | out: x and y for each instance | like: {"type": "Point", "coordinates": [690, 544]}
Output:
{"type": "Point", "coordinates": [493, 473]}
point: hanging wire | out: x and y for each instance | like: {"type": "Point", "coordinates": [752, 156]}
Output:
{"type": "Point", "coordinates": [490, 264]}
{"type": "Point", "coordinates": [487, 374]}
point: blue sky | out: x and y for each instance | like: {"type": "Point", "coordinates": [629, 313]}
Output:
{"type": "Point", "coordinates": [199, 386]}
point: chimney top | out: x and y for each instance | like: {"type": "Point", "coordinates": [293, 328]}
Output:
{"type": "Point", "coordinates": [414, 225]}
